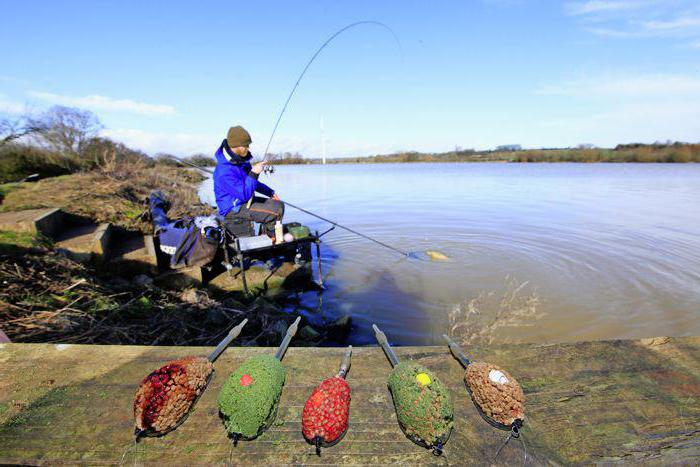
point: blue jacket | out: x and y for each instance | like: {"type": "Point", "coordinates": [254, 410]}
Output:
{"type": "Point", "coordinates": [234, 183]}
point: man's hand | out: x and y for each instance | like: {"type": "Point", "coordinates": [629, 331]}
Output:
{"type": "Point", "coordinates": [258, 168]}
{"type": "Point", "coordinates": [275, 197]}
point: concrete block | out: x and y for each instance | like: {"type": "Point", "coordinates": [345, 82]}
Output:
{"type": "Point", "coordinates": [49, 223]}
{"type": "Point", "coordinates": [101, 238]}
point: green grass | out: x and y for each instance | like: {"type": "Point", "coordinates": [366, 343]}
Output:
{"type": "Point", "coordinates": [5, 188]}
{"type": "Point", "coordinates": [13, 242]}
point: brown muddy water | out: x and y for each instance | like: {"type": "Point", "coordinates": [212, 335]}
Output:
{"type": "Point", "coordinates": [539, 252]}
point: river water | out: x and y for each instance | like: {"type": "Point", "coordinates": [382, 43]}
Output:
{"type": "Point", "coordinates": [538, 252]}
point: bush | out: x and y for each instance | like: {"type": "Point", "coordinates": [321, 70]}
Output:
{"type": "Point", "coordinates": [683, 154]}
{"type": "Point", "coordinates": [163, 158]}
{"type": "Point", "coordinates": [202, 160]}
{"type": "Point", "coordinates": [18, 161]}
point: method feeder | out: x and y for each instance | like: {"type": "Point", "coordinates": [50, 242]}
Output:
{"type": "Point", "coordinates": [496, 394]}
{"type": "Point", "coordinates": [249, 398]}
{"type": "Point", "coordinates": [423, 405]}
{"type": "Point", "coordinates": [166, 396]}
{"type": "Point", "coordinates": [324, 420]}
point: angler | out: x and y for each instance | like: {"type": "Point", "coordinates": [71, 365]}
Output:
{"type": "Point", "coordinates": [249, 398]}
{"type": "Point", "coordinates": [324, 420]}
{"type": "Point", "coordinates": [423, 404]}
{"type": "Point", "coordinates": [166, 395]}
{"type": "Point", "coordinates": [235, 185]}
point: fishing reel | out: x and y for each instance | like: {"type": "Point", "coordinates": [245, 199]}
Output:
{"type": "Point", "coordinates": [269, 169]}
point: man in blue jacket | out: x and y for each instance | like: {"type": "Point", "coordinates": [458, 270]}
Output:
{"type": "Point", "coordinates": [236, 182]}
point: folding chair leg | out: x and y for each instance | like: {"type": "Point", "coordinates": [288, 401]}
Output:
{"type": "Point", "coordinates": [242, 266]}
{"type": "Point", "coordinates": [318, 261]}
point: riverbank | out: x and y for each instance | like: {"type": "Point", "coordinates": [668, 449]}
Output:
{"type": "Point", "coordinates": [632, 401]}
{"type": "Point", "coordinates": [49, 295]}
{"type": "Point", "coordinates": [643, 153]}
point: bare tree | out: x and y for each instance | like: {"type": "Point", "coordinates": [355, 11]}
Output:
{"type": "Point", "coordinates": [11, 130]}
{"type": "Point", "coordinates": [66, 129]}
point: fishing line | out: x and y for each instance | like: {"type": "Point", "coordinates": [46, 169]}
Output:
{"type": "Point", "coordinates": [413, 255]}
{"type": "Point", "coordinates": [311, 60]}
{"type": "Point", "coordinates": [287, 203]}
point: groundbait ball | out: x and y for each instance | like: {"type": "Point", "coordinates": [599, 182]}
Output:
{"type": "Point", "coordinates": [496, 392]}
{"type": "Point", "coordinates": [249, 398]}
{"type": "Point", "coordinates": [324, 419]}
{"type": "Point", "coordinates": [166, 395]}
{"type": "Point", "coordinates": [423, 404]}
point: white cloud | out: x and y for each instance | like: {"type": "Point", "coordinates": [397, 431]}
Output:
{"type": "Point", "coordinates": [644, 122]}
{"type": "Point", "coordinates": [10, 107]}
{"type": "Point", "coordinates": [185, 144]}
{"type": "Point", "coordinates": [638, 18]}
{"type": "Point", "coordinates": [672, 25]}
{"type": "Point", "coordinates": [605, 32]}
{"type": "Point", "coordinates": [97, 102]}
{"type": "Point", "coordinates": [599, 6]}
{"type": "Point", "coordinates": [180, 144]}
{"type": "Point", "coordinates": [634, 86]}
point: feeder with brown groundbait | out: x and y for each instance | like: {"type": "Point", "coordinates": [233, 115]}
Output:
{"type": "Point", "coordinates": [496, 394]}
{"type": "Point", "coordinates": [423, 404]}
{"type": "Point", "coordinates": [165, 397]}
{"type": "Point", "coordinates": [324, 420]}
{"type": "Point", "coordinates": [249, 398]}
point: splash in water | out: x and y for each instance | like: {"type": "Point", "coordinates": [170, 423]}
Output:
{"type": "Point", "coordinates": [485, 318]}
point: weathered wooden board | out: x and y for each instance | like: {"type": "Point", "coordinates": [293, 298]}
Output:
{"type": "Point", "coordinates": [588, 402]}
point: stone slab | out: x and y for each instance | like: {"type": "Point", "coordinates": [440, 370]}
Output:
{"type": "Point", "coordinates": [590, 402]}
{"type": "Point", "coordinates": [45, 221]}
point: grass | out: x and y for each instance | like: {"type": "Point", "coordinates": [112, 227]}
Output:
{"type": "Point", "coordinates": [117, 196]}
{"type": "Point", "coordinates": [11, 242]}
{"type": "Point", "coordinates": [6, 188]}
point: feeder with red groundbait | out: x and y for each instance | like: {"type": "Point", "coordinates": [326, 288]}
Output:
{"type": "Point", "coordinates": [324, 420]}
{"type": "Point", "coordinates": [496, 394]}
{"type": "Point", "coordinates": [165, 397]}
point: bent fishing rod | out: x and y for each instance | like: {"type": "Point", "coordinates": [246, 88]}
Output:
{"type": "Point", "coordinates": [287, 203]}
{"type": "Point", "coordinates": [311, 60]}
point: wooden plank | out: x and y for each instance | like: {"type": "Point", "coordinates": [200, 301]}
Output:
{"type": "Point", "coordinates": [633, 401]}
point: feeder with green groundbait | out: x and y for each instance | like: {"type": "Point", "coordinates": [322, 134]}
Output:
{"type": "Point", "coordinates": [249, 398]}
{"type": "Point", "coordinates": [423, 404]}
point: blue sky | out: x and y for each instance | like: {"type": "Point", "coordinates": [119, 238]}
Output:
{"type": "Point", "coordinates": [173, 76]}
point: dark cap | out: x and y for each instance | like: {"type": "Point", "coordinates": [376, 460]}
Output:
{"type": "Point", "coordinates": [238, 136]}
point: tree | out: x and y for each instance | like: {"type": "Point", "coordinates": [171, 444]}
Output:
{"type": "Point", "coordinates": [11, 130]}
{"type": "Point", "coordinates": [108, 154]}
{"type": "Point", "coordinates": [66, 129]}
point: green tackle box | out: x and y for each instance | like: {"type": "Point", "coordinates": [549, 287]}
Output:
{"type": "Point", "coordinates": [299, 232]}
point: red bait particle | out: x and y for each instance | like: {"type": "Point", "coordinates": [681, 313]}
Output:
{"type": "Point", "coordinates": [246, 380]}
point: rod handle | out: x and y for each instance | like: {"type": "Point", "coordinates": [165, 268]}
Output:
{"type": "Point", "coordinates": [232, 334]}
{"type": "Point", "coordinates": [381, 338]}
{"type": "Point", "coordinates": [457, 351]}
{"type": "Point", "coordinates": [291, 330]}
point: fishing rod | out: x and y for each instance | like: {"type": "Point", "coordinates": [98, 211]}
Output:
{"type": "Point", "coordinates": [287, 203]}
{"type": "Point", "coordinates": [311, 60]}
